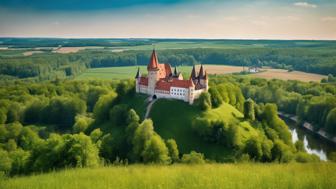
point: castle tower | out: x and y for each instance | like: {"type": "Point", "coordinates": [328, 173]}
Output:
{"type": "Point", "coordinates": [191, 93]}
{"type": "Point", "coordinates": [153, 72]}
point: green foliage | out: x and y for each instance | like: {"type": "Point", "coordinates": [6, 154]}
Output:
{"type": "Point", "coordinates": [204, 101]}
{"type": "Point", "coordinates": [254, 149]}
{"type": "Point", "coordinates": [81, 123]}
{"type": "Point", "coordinates": [155, 151]}
{"type": "Point", "coordinates": [249, 110]}
{"type": "Point", "coordinates": [216, 98]}
{"type": "Point", "coordinates": [5, 161]}
{"type": "Point", "coordinates": [142, 134]}
{"type": "Point", "coordinates": [193, 158]}
{"type": "Point", "coordinates": [331, 122]}
{"type": "Point", "coordinates": [173, 150]}
{"type": "Point", "coordinates": [62, 111]}
{"type": "Point", "coordinates": [102, 107]}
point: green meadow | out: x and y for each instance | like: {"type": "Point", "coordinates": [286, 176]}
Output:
{"type": "Point", "coordinates": [251, 175]}
{"type": "Point", "coordinates": [121, 72]}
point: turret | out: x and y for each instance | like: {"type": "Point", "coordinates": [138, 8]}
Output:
{"type": "Point", "coordinates": [201, 73]}
{"type": "Point", "coordinates": [137, 80]}
{"type": "Point", "coordinates": [193, 73]}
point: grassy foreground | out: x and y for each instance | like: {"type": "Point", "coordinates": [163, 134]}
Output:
{"type": "Point", "coordinates": [314, 175]}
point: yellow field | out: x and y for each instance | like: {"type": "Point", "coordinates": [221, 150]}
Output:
{"type": "Point", "coordinates": [285, 75]}
{"type": "Point", "coordinates": [266, 73]}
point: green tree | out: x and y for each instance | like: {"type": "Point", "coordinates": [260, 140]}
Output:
{"type": "Point", "coordinates": [249, 109]}
{"type": "Point", "coordinates": [254, 148]}
{"type": "Point", "coordinates": [81, 123]}
{"type": "Point", "coordinates": [216, 98]}
{"type": "Point", "coordinates": [203, 101]}
{"type": "Point", "coordinates": [5, 161]}
{"type": "Point", "coordinates": [102, 107]}
{"type": "Point", "coordinates": [173, 150]}
{"type": "Point", "coordinates": [155, 151]}
{"type": "Point", "coordinates": [331, 122]}
{"type": "Point", "coordinates": [142, 134]}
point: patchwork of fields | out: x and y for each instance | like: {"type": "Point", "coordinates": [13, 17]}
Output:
{"type": "Point", "coordinates": [267, 73]}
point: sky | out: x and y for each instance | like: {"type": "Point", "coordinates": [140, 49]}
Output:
{"type": "Point", "coordinates": [211, 19]}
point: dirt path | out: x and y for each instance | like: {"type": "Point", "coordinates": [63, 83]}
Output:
{"type": "Point", "coordinates": [149, 107]}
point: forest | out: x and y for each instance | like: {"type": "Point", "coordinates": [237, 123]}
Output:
{"type": "Point", "coordinates": [64, 123]}
{"type": "Point", "coordinates": [308, 56]}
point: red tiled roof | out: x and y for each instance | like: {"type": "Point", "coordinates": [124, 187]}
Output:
{"type": "Point", "coordinates": [143, 81]}
{"type": "Point", "coordinates": [182, 83]}
{"type": "Point", "coordinates": [164, 84]}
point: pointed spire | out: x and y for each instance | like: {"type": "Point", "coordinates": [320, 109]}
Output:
{"type": "Point", "coordinates": [153, 63]}
{"type": "Point", "coordinates": [193, 73]}
{"type": "Point", "coordinates": [201, 73]}
{"type": "Point", "coordinates": [138, 74]}
{"type": "Point", "coordinates": [175, 71]}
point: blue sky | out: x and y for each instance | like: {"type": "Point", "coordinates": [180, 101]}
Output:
{"type": "Point", "coordinates": [230, 19]}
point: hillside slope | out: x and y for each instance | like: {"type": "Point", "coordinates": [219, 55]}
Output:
{"type": "Point", "coordinates": [173, 119]}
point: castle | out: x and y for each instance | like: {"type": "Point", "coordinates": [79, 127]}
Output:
{"type": "Point", "coordinates": [161, 82]}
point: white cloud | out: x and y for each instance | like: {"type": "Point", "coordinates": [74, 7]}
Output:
{"type": "Point", "coordinates": [329, 19]}
{"type": "Point", "coordinates": [305, 5]}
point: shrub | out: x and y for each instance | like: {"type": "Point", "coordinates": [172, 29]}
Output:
{"type": "Point", "coordinates": [204, 101]}
{"type": "Point", "coordinates": [193, 158]}
{"type": "Point", "coordinates": [173, 150]}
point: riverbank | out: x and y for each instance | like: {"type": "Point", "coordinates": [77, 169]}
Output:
{"type": "Point", "coordinates": [309, 127]}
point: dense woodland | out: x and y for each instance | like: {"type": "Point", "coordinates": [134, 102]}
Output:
{"type": "Point", "coordinates": [63, 123]}
{"type": "Point", "coordinates": [309, 56]}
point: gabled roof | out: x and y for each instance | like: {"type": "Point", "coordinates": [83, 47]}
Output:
{"type": "Point", "coordinates": [166, 84]}
{"type": "Point", "coordinates": [143, 81]}
{"type": "Point", "coordinates": [153, 62]}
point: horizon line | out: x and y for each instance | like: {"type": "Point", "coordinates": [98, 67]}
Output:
{"type": "Point", "coordinates": [178, 38]}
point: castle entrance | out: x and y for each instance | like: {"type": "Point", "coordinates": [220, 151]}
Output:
{"type": "Point", "coordinates": [154, 97]}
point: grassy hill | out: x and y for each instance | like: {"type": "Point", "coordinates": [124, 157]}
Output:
{"type": "Point", "coordinates": [173, 119]}
{"type": "Point", "coordinates": [312, 175]}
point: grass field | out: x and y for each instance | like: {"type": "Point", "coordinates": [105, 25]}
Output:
{"type": "Point", "coordinates": [260, 176]}
{"type": "Point", "coordinates": [285, 75]}
{"type": "Point", "coordinates": [173, 119]}
{"type": "Point", "coordinates": [129, 72]}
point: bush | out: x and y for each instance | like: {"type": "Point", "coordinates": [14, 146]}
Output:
{"type": "Point", "coordinates": [173, 150]}
{"type": "Point", "coordinates": [81, 123]}
{"type": "Point", "coordinates": [193, 158]}
{"type": "Point", "coordinates": [204, 101]}
{"type": "Point", "coordinates": [303, 157]}
{"type": "Point", "coordinates": [155, 151]}
{"type": "Point", "coordinates": [216, 99]}
{"type": "Point", "coordinates": [331, 122]}
{"type": "Point", "coordinates": [249, 110]}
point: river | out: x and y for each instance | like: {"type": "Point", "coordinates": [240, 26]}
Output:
{"type": "Point", "coordinates": [313, 143]}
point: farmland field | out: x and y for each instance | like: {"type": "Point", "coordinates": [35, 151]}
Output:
{"type": "Point", "coordinates": [313, 175]}
{"type": "Point", "coordinates": [267, 73]}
